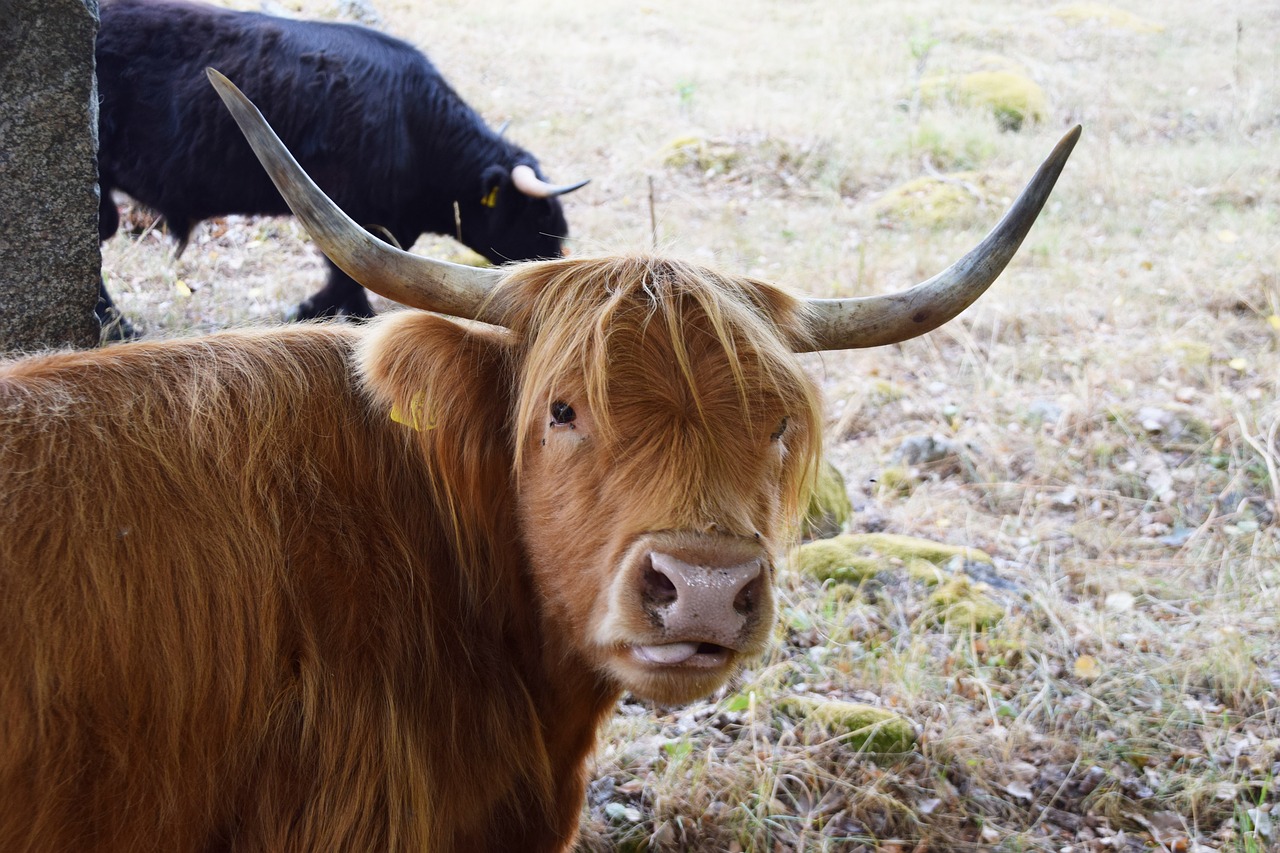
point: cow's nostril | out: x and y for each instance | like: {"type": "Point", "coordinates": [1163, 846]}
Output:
{"type": "Point", "coordinates": [745, 601]}
{"type": "Point", "coordinates": [658, 588]}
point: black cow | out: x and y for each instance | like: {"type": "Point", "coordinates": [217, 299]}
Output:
{"type": "Point", "coordinates": [367, 115]}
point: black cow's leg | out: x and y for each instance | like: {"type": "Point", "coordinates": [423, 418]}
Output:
{"type": "Point", "coordinates": [340, 296]}
{"type": "Point", "coordinates": [108, 215]}
{"type": "Point", "coordinates": [115, 326]}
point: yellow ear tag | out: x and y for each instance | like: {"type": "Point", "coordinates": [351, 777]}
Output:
{"type": "Point", "coordinates": [416, 419]}
{"type": "Point", "coordinates": [491, 200]}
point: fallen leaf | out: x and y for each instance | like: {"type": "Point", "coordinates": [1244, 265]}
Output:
{"type": "Point", "coordinates": [1118, 602]}
{"type": "Point", "coordinates": [620, 812]}
{"type": "Point", "coordinates": [1087, 667]}
{"type": "Point", "coordinates": [1020, 789]}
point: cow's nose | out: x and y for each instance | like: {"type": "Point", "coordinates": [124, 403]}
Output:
{"type": "Point", "coordinates": [710, 603]}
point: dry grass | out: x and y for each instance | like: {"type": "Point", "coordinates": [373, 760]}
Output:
{"type": "Point", "coordinates": [1114, 398]}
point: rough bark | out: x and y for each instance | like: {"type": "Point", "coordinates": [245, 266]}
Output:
{"type": "Point", "coordinates": [50, 261]}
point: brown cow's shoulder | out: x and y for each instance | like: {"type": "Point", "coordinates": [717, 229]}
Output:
{"type": "Point", "coordinates": [230, 597]}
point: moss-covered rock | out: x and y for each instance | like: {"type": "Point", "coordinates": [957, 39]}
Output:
{"type": "Point", "coordinates": [1099, 14]}
{"type": "Point", "coordinates": [831, 559]}
{"type": "Point", "coordinates": [905, 548]}
{"type": "Point", "coordinates": [865, 727]}
{"type": "Point", "coordinates": [855, 557]}
{"type": "Point", "coordinates": [842, 592]}
{"type": "Point", "coordinates": [924, 571]}
{"type": "Point", "coordinates": [896, 479]}
{"type": "Point", "coordinates": [445, 250]}
{"type": "Point", "coordinates": [929, 202]}
{"type": "Point", "coordinates": [999, 85]}
{"type": "Point", "coordinates": [463, 255]}
{"type": "Point", "coordinates": [706, 155]}
{"type": "Point", "coordinates": [829, 505]}
{"type": "Point", "coordinates": [1013, 98]}
{"type": "Point", "coordinates": [959, 603]}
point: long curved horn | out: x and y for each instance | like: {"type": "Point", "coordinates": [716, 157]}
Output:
{"type": "Point", "coordinates": [872, 321]}
{"type": "Point", "coordinates": [528, 182]}
{"type": "Point", "coordinates": [412, 280]}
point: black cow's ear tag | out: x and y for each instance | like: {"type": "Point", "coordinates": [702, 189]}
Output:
{"type": "Point", "coordinates": [491, 200]}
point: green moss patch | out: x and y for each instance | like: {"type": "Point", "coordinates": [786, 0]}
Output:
{"type": "Point", "coordinates": [1012, 97]}
{"type": "Point", "coordinates": [855, 557]}
{"type": "Point", "coordinates": [1099, 14]}
{"type": "Point", "coordinates": [959, 603]}
{"type": "Point", "coordinates": [924, 571]}
{"type": "Point", "coordinates": [999, 85]}
{"type": "Point", "coordinates": [706, 155]}
{"type": "Point", "coordinates": [831, 559]}
{"type": "Point", "coordinates": [905, 548]}
{"type": "Point", "coordinates": [896, 479]}
{"type": "Point", "coordinates": [929, 202]}
{"type": "Point", "coordinates": [865, 728]}
{"type": "Point", "coordinates": [829, 505]}
{"type": "Point", "coordinates": [463, 255]}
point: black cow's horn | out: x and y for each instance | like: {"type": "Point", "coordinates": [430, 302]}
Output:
{"type": "Point", "coordinates": [412, 280]}
{"type": "Point", "coordinates": [873, 321]}
{"type": "Point", "coordinates": [528, 182]}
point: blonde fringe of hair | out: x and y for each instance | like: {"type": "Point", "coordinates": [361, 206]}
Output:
{"type": "Point", "coordinates": [567, 314]}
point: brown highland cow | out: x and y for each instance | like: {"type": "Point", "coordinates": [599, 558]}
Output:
{"type": "Point", "coordinates": [327, 588]}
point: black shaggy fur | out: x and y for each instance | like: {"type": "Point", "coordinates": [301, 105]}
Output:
{"type": "Point", "coordinates": [368, 117]}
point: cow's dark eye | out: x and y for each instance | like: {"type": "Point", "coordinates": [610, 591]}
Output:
{"type": "Point", "coordinates": [562, 413]}
{"type": "Point", "coordinates": [777, 433]}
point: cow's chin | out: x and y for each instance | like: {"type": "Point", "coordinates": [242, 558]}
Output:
{"type": "Point", "coordinates": [674, 673]}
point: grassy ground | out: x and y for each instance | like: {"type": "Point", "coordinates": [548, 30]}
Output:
{"type": "Point", "coordinates": [1106, 418]}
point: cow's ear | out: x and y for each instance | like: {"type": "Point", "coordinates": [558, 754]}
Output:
{"type": "Point", "coordinates": [494, 181]}
{"type": "Point", "coordinates": [424, 370]}
{"type": "Point", "coordinates": [447, 388]}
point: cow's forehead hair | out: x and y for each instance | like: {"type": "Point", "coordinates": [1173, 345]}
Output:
{"type": "Point", "coordinates": [567, 313]}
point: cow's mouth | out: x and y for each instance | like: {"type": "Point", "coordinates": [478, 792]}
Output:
{"type": "Point", "coordinates": [688, 654]}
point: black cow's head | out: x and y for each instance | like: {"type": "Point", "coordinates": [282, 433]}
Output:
{"type": "Point", "coordinates": [518, 216]}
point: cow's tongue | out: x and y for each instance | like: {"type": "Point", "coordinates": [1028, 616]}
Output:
{"type": "Point", "coordinates": [671, 653]}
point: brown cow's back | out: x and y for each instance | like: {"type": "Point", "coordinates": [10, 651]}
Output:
{"type": "Point", "coordinates": [334, 651]}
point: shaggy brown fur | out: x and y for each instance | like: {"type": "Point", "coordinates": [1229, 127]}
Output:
{"type": "Point", "coordinates": [241, 607]}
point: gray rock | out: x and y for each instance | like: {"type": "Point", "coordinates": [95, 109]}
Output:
{"type": "Point", "coordinates": [361, 11]}
{"type": "Point", "coordinates": [925, 450]}
{"type": "Point", "coordinates": [1155, 420]}
{"type": "Point", "coordinates": [49, 258]}
{"type": "Point", "coordinates": [1044, 411]}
